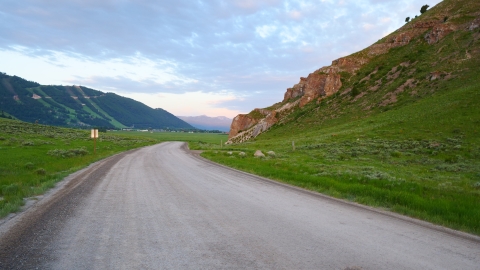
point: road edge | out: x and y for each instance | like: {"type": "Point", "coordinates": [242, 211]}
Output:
{"type": "Point", "coordinates": [418, 222]}
{"type": "Point", "coordinates": [32, 204]}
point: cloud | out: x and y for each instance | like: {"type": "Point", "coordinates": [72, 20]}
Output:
{"type": "Point", "coordinates": [192, 103]}
{"type": "Point", "coordinates": [184, 46]}
{"type": "Point", "coordinates": [368, 26]}
{"type": "Point", "coordinates": [265, 30]}
{"type": "Point", "coordinates": [295, 14]}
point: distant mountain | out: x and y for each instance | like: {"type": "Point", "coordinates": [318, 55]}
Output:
{"type": "Point", "coordinates": [78, 106]}
{"type": "Point", "coordinates": [221, 123]}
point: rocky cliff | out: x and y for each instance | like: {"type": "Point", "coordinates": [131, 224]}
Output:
{"type": "Point", "coordinates": [247, 126]}
{"type": "Point", "coordinates": [326, 81]}
{"type": "Point", "coordinates": [316, 85]}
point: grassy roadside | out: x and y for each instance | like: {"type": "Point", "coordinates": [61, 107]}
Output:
{"type": "Point", "coordinates": [421, 160]}
{"type": "Point", "coordinates": [35, 157]}
{"type": "Point", "coordinates": [195, 141]}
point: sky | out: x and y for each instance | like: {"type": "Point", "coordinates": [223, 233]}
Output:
{"type": "Point", "coordinates": [190, 57]}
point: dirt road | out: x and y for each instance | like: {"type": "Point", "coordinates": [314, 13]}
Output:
{"type": "Point", "coordinates": [161, 207]}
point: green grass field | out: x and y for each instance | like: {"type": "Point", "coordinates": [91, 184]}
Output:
{"type": "Point", "coordinates": [195, 141]}
{"type": "Point", "coordinates": [421, 160]}
{"type": "Point", "coordinates": [35, 157]}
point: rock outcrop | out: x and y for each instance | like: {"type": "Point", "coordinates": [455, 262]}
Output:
{"type": "Point", "coordinates": [404, 35]}
{"type": "Point", "coordinates": [438, 32]}
{"type": "Point", "coordinates": [317, 84]}
{"type": "Point", "coordinates": [243, 122]}
{"type": "Point", "coordinates": [325, 81]}
{"type": "Point", "coordinates": [348, 64]}
{"type": "Point", "coordinates": [261, 125]}
{"type": "Point", "coordinates": [474, 25]}
{"type": "Point", "coordinates": [434, 75]}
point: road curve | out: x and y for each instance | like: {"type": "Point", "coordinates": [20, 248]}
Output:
{"type": "Point", "coordinates": [161, 207]}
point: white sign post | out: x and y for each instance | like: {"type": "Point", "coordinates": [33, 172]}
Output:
{"type": "Point", "coordinates": [94, 136]}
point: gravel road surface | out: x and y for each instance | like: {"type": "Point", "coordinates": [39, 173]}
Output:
{"type": "Point", "coordinates": [162, 207]}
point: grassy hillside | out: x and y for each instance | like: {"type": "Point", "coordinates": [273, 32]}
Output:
{"type": "Point", "coordinates": [402, 133]}
{"type": "Point", "coordinates": [78, 106]}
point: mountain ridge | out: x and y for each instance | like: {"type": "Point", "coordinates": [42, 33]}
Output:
{"type": "Point", "coordinates": [221, 123]}
{"type": "Point", "coordinates": [78, 106]}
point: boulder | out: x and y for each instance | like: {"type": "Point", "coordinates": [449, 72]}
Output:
{"type": "Point", "coordinates": [242, 154]}
{"type": "Point", "coordinates": [258, 153]}
{"type": "Point", "coordinates": [475, 24]}
{"type": "Point", "coordinates": [271, 154]}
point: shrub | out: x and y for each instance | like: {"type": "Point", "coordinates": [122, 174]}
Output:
{"type": "Point", "coordinates": [68, 153]}
{"type": "Point", "coordinates": [424, 9]}
{"type": "Point", "coordinates": [396, 154]}
{"type": "Point", "coordinates": [29, 165]}
{"type": "Point", "coordinates": [41, 171]}
{"type": "Point", "coordinates": [354, 92]}
{"type": "Point", "coordinates": [28, 143]}
{"type": "Point", "coordinates": [451, 167]}
{"type": "Point", "coordinates": [453, 159]}
{"type": "Point", "coordinates": [376, 175]}
{"type": "Point", "coordinates": [10, 189]}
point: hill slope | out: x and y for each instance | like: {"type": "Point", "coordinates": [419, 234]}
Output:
{"type": "Point", "coordinates": [78, 106]}
{"type": "Point", "coordinates": [438, 51]}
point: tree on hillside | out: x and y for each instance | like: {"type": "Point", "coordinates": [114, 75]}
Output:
{"type": "Point", "coordinates": [424, 9]}
{"type": "Point", "coordinates": [407, 19]}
